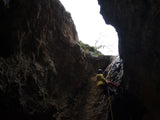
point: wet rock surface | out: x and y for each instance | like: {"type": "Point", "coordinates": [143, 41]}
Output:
{"type": "Point", "coordinates": [115, 71]}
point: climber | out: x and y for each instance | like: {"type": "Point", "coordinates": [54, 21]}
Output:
{"type": "Point", "coordinates": [103, 84]}
{"type": "Point", "coordinates": [101, 81]}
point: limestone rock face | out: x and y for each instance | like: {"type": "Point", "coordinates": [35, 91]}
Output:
{"type": "Point", "coordinates": [43, 71]}
{"type": "Point", "coordinates": [138, 27]}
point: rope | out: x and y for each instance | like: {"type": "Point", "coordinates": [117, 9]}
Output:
{"type": "Point", "coordinates": [108, 74]}
{"type": "Point", "coordinates": [110, 103]}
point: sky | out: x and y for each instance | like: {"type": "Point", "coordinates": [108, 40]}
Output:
{"type": "Point", "coordinates": [91, 27]}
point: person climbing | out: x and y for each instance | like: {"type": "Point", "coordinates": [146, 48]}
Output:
{"type": "Point", "coordinates": [104, 84]}
{"type": "Point", "coordinates": [101, 81]}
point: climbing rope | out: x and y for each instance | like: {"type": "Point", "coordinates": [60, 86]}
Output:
{"type": "Point", "coordinates": [110, 103]}
{"type": "Point", "coordinates": [108, 74]}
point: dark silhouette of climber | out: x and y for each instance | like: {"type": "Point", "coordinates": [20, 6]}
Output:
{"type": "Point", "coordinates": [104, 84]}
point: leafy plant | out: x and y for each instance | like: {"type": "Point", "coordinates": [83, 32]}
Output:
{"type": "Point", "coordinates": [89, 49]}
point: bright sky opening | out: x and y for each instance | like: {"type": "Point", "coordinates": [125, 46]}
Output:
{"type": "Point", "coordinates": [91, 27]}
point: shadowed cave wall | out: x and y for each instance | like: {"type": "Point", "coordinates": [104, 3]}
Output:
{"type": "Point", "coordinates": [138, 27]}
{"type": "Point", "coordinates": [44, 72]}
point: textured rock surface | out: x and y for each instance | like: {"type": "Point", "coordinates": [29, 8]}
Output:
{"type": "Point", "coordinates": [138, 27]}
{"type": "Point", "coordinates": [43, 71]}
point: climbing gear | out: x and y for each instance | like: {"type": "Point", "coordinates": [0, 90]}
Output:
{"type": "Point", "coordinates": [110, 103]}
{"type": "Point", "coordinates": [112, 83]}
{"type": "Point", "coordinates": [108, 75]}
{"type": "Point", "coordinates": [101, 82]}
{"type": "Point", "coordinates": [100, 71]}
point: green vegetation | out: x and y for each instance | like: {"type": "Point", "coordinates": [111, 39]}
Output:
{"type": "Point", "coordinates": [89, 49]}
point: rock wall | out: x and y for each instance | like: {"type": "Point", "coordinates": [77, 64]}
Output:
{"type": "Point", "coordinates": [43, 71]}
{"type": "Point", "coordinates": [138, 27]}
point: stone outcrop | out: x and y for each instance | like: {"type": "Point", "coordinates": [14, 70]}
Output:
{"type": "Point", "coordinates": [43, 71]}
{"type": "Point", "coordinates": [138, 26]}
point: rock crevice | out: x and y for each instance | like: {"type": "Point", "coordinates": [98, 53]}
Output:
{"type": "Point", "coordinates": [137, 24]}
